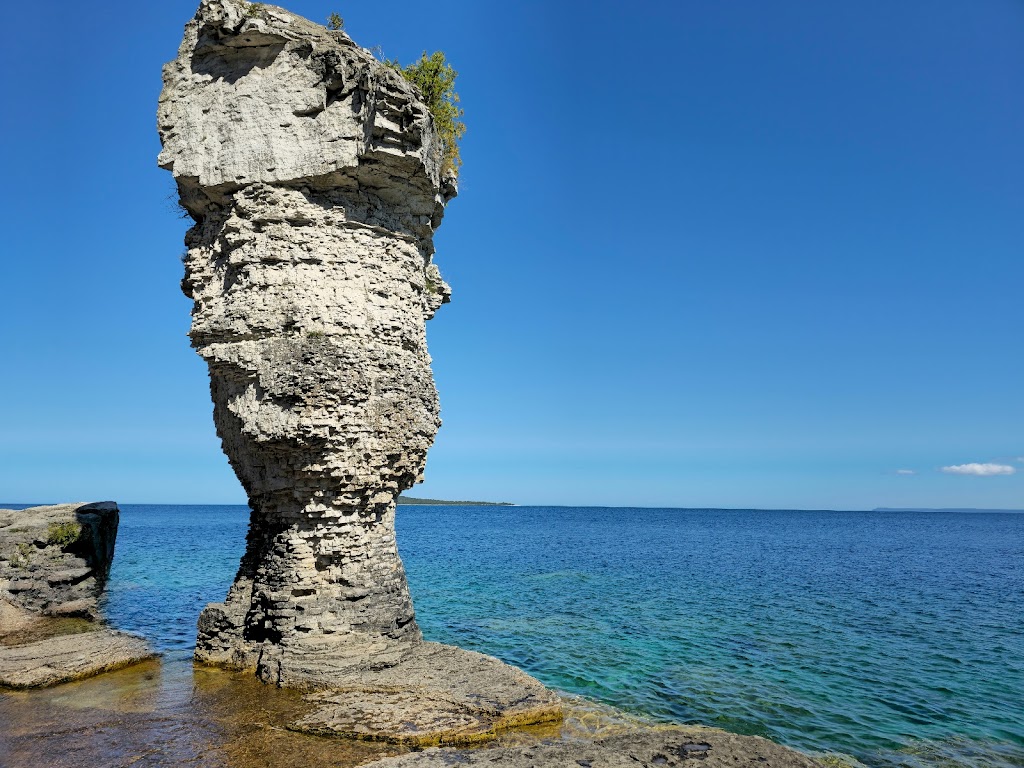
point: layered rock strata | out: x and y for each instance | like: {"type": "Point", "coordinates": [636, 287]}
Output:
{"type": "Point", "coordinates": [54, 564]}
{"type": "Point", "coordinates": [314, 175]}
{"type": "Point", "coordinates": [64, 658]}
{"type": "Point", "coordinates": [55, 560]}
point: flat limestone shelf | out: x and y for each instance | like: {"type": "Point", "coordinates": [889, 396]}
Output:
{"type": "Point", "coordinates": [438, 695]}
{"type": "Point", "coordinates": [657, 747]}
{"type": "Point", "coordinates": [65, 658]}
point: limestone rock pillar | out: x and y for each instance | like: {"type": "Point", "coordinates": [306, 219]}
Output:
{"type": "Point", "coordinates": [313, 173]}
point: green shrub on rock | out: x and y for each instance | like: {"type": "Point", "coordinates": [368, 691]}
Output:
{"type": "Point", "coordinates": [63, 534]}
{"type": "Point", "coordinates": [435, 78]}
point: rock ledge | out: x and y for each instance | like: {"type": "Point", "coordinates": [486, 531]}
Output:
{"type": "Point", "coordinates": [55, 560]}
{"type": "Point", "coordinates": [65, 658]}
{"type": "Point", "coordinates": [54, 564]}
{"type": "Point", "coordinates": [438, 695]}
{"type": "Point", "coordinates": [659, 747]}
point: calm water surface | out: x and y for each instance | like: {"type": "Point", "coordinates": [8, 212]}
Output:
{"type": "Point", "coordinates": [894, 638]}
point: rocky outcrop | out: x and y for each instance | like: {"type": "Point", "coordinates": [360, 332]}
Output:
{"type": "Point", "coordinates": [657, 747]}
{"type": "Point", "coordinates": [55, 560]}
{"type": "Point", "coordinates": [314, 175]}
{"type": "Point", "coordinates": [54, 563]}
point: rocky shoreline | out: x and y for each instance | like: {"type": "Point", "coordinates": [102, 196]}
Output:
{"type": "Point", "coordinates": [316, 177]}
{"type": "Point", "coordinates": [54, 563]}
{"type": "Point", "coordinates": [171, 713]}
{"type": "Point", "coordinates": [661, 747]}
{"type": "Point", "coordinates": [440, 706]}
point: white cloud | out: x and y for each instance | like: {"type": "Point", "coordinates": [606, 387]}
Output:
{"type": "Point", "coordinates": [980, 470]}
{"type": "Point", "coordinates": [905, 472]}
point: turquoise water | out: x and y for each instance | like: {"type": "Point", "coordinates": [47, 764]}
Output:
{"type": "Point", "coordinates": [896, 638]}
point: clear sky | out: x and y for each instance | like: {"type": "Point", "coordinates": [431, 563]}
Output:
{"type": "Point", "coordinates": [731, 254]}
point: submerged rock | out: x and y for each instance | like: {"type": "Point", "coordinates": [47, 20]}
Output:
{"type": "Point", "coordinates": [55, 560]}
{"type": "Point", "coordinates": [314, 175]}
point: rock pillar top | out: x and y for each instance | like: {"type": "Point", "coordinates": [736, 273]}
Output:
{"type": "Point", "coordinates": [258, 94]}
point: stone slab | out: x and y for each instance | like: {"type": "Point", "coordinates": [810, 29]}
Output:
{"type": "Point", "coordinates": [438, 695]}
{"type": "Point", "coordinates": [65, 658]}
{"type": "Point", "coordinates": [658, 747]}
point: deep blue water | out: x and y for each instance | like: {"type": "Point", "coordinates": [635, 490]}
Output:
{"type": "Point", "coordinates": [897, 638]}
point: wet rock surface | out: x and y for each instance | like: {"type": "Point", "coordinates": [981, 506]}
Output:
{"type": "Point", "coordinates": [174, 714]}
{"type": "Point", "coordinates": [439, 695]}
{"type": "Point", "coordinates": [64, 658]}
{"type": "Point", "coordinates": [314, 175]}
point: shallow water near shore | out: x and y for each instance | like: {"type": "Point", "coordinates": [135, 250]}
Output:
{"type": "Point", "coordinates": [893, 638]}
{"type": "Point", "coordinates": [171, 713]}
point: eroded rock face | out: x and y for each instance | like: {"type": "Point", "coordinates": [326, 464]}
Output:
{"type": "Point", "coordinates": [313, 173]}
{"type": "Point", "coordinates": [55, 560]}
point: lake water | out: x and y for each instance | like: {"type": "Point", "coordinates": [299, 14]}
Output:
{"type": "Point", "coordinates": [894, 638]}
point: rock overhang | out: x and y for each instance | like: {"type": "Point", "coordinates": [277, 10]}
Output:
{"type": "Point", "coordinates": [267, 96]}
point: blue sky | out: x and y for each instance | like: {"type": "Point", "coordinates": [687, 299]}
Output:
{"type": "Point", "coordinates": [734, 254]}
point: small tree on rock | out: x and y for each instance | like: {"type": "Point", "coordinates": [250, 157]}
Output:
{"type": "Point", "coordinates": [435, 78]}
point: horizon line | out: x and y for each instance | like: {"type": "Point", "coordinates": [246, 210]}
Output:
{"type": "Point", "coordinates": [555, 506]}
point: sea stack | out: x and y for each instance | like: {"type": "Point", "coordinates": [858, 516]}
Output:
{"type": "Point", "coordinates": [314, 175]}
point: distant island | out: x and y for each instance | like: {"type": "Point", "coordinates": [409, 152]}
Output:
{"type": "Point", "coordinates": [941, 509]}
{"type": "Point", "coordinates": [438, 502]}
